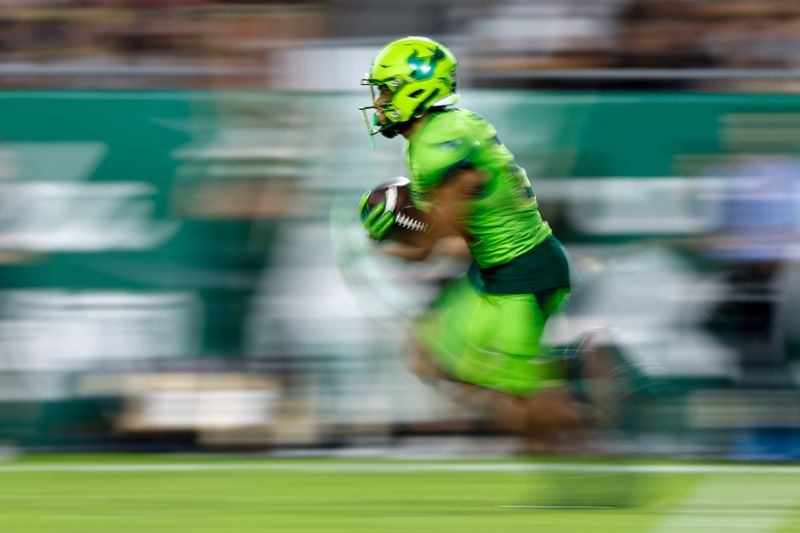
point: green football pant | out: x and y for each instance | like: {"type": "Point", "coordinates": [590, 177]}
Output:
{"type": "Point", "coordinates": [492, 340]}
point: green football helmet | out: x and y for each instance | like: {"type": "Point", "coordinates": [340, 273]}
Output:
{"type": "Point", "coordinates": [414, 74]}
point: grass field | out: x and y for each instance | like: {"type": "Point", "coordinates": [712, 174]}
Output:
{"type": "Point", "coordinates": [146, 493]}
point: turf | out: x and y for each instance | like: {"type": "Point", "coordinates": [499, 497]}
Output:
{"type": "Point", "coordinates": [151, 494]}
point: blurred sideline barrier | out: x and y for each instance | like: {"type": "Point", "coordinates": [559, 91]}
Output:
{"type": "Point", "coordinates": [166, 259]}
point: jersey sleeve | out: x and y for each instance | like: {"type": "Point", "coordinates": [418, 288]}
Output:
{"type": "Point", "coordinates": [447, 146]}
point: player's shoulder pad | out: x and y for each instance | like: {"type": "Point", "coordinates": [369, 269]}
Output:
{"type": "Point", "coordinates": [456, 124]}
{"type": "Point", "coordinates": [455, 131]}
{"type": "Point", "coordinates": [448, 144]}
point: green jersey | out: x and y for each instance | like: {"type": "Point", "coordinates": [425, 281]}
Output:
{"type": "Point", "coordinates": [503, 220]}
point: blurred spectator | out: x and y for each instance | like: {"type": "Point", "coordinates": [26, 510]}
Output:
{"type": "Point", "coordinates": [140, 43]}
{"type": "Point", "coordinates": [191, 43]}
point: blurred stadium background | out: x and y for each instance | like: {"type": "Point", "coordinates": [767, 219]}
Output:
{"type": "Point", "coordinates": [179, 272]}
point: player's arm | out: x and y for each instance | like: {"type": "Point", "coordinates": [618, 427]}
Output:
{"type": "Point", "coordinates": [451, 246]}
{"type": "Point", "coordinates": [405, 251]}
{"type": "Point", "coordinates": [377, 223]}
{"type": "Point", "coordinates": [448, 212]}
{"type": "Point", "coordinates": [449, 209]}
{"type": "Point", "coordinates": [454, 247]}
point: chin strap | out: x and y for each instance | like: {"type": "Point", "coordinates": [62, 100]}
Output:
{"type": "Point", "coordinates": [391, 131]}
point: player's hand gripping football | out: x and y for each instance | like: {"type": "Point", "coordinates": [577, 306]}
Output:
{"type": "Point", "coordinates": [377, 221]}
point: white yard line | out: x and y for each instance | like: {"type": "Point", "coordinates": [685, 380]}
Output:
{"type": "Point", "coordinates": [742, 507]}
{"type": "Point", "coordinates": [400, 467]}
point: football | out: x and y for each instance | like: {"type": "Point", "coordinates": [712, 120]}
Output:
{"type": "Point", "coordinates": [409, 222]}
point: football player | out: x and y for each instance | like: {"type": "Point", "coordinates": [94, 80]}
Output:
{"type": "Point", "coordinates": [481, 339]}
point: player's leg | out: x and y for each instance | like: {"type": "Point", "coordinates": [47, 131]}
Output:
{"type": "Point", "coordinates": [544, 419]}
{"type": "Point", "coordinates": [516, 412]}
{"type": "Point", "coordinates": [550, 408]}
{"type": "Point", "coordinates": [599, 375]}
{"type": "Point", "coordinates": [483, 351]}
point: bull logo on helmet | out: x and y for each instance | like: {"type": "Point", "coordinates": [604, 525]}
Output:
{"type": "Point", "coordinates": [423, 68]}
